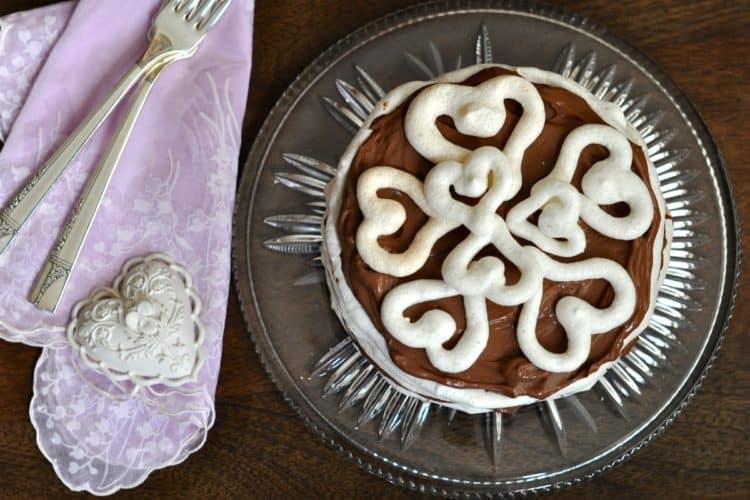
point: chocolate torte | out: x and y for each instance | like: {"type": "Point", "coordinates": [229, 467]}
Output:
{"type": "Point", "coordinates": [494, 237]}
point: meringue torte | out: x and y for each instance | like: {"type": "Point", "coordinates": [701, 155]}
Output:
{"type": "Point", "coordinates": [494, 237]}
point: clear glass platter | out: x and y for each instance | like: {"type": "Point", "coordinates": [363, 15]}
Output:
{"type": "Point", "coordinates": [425, 447]}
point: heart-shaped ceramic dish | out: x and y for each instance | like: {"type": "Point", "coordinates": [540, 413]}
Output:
{"type": "Point", "coordinates": [146, 329]}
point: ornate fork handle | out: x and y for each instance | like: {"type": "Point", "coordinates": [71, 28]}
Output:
{"type": "Point", "coordinates": [23, 204]}
{"type": "Point", "coordinates": [50, 284]}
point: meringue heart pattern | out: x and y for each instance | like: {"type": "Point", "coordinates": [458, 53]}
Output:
{"type": "Point", "coordinates": [537, 248]}
{"type": "Point", "coordinates": [146, 329]}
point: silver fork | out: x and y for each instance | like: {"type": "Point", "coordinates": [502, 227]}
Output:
{"type": "Point", "coordinates": [51, 281]}
{"type": "Point", "coordinates": [177, 30]}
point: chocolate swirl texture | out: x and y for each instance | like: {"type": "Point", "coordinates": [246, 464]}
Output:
{"type": "Point", "coordinates": [501, 367]}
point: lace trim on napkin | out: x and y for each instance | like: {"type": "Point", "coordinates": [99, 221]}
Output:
{"type": "Point", "coordinates": [120, 441]}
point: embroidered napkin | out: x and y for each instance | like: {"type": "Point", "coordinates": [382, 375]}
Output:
{"type": "Point", "coordinates": [172, 192]}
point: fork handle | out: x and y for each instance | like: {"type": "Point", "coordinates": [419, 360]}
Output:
{"type": "Point", "coordinates": [50, 284]}
{"type": "Point", "coordinates": [15, 214]}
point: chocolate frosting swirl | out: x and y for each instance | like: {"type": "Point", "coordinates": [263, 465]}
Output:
{"type": "Point", "coordinates": [502, 367]}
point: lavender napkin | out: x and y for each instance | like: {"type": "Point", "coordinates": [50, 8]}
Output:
{"type": "Point", "coordinates": [173, 192]}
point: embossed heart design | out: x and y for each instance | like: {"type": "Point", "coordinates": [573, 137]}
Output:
{"type": "Point", "coordinates": [146, 329]}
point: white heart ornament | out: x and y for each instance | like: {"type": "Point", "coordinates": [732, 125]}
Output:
{"type": "Point", "coordinates": [146, 329]}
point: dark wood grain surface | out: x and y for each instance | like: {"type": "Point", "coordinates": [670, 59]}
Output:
{"type": "Point", "coordinates": [259, 448]}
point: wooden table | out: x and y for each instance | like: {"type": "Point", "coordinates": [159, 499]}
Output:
{"type": "Point", "coordinates": [259, 448]}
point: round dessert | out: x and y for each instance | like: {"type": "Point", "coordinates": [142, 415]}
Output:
{"type": "Point", "coordinates": [494, 237]}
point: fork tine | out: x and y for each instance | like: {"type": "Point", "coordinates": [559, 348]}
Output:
{"type": "Point", "coordinates": [196, 7]}
{"type": "Point", "coordinates": [214, 17]}
{"type": "Point", "coordinates": [188, 6]}
{"type": "Point", "coordinates": [203, 10]}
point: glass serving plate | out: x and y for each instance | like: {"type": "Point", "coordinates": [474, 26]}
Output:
{"type": "Point", "coordinates": [339, 395]}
